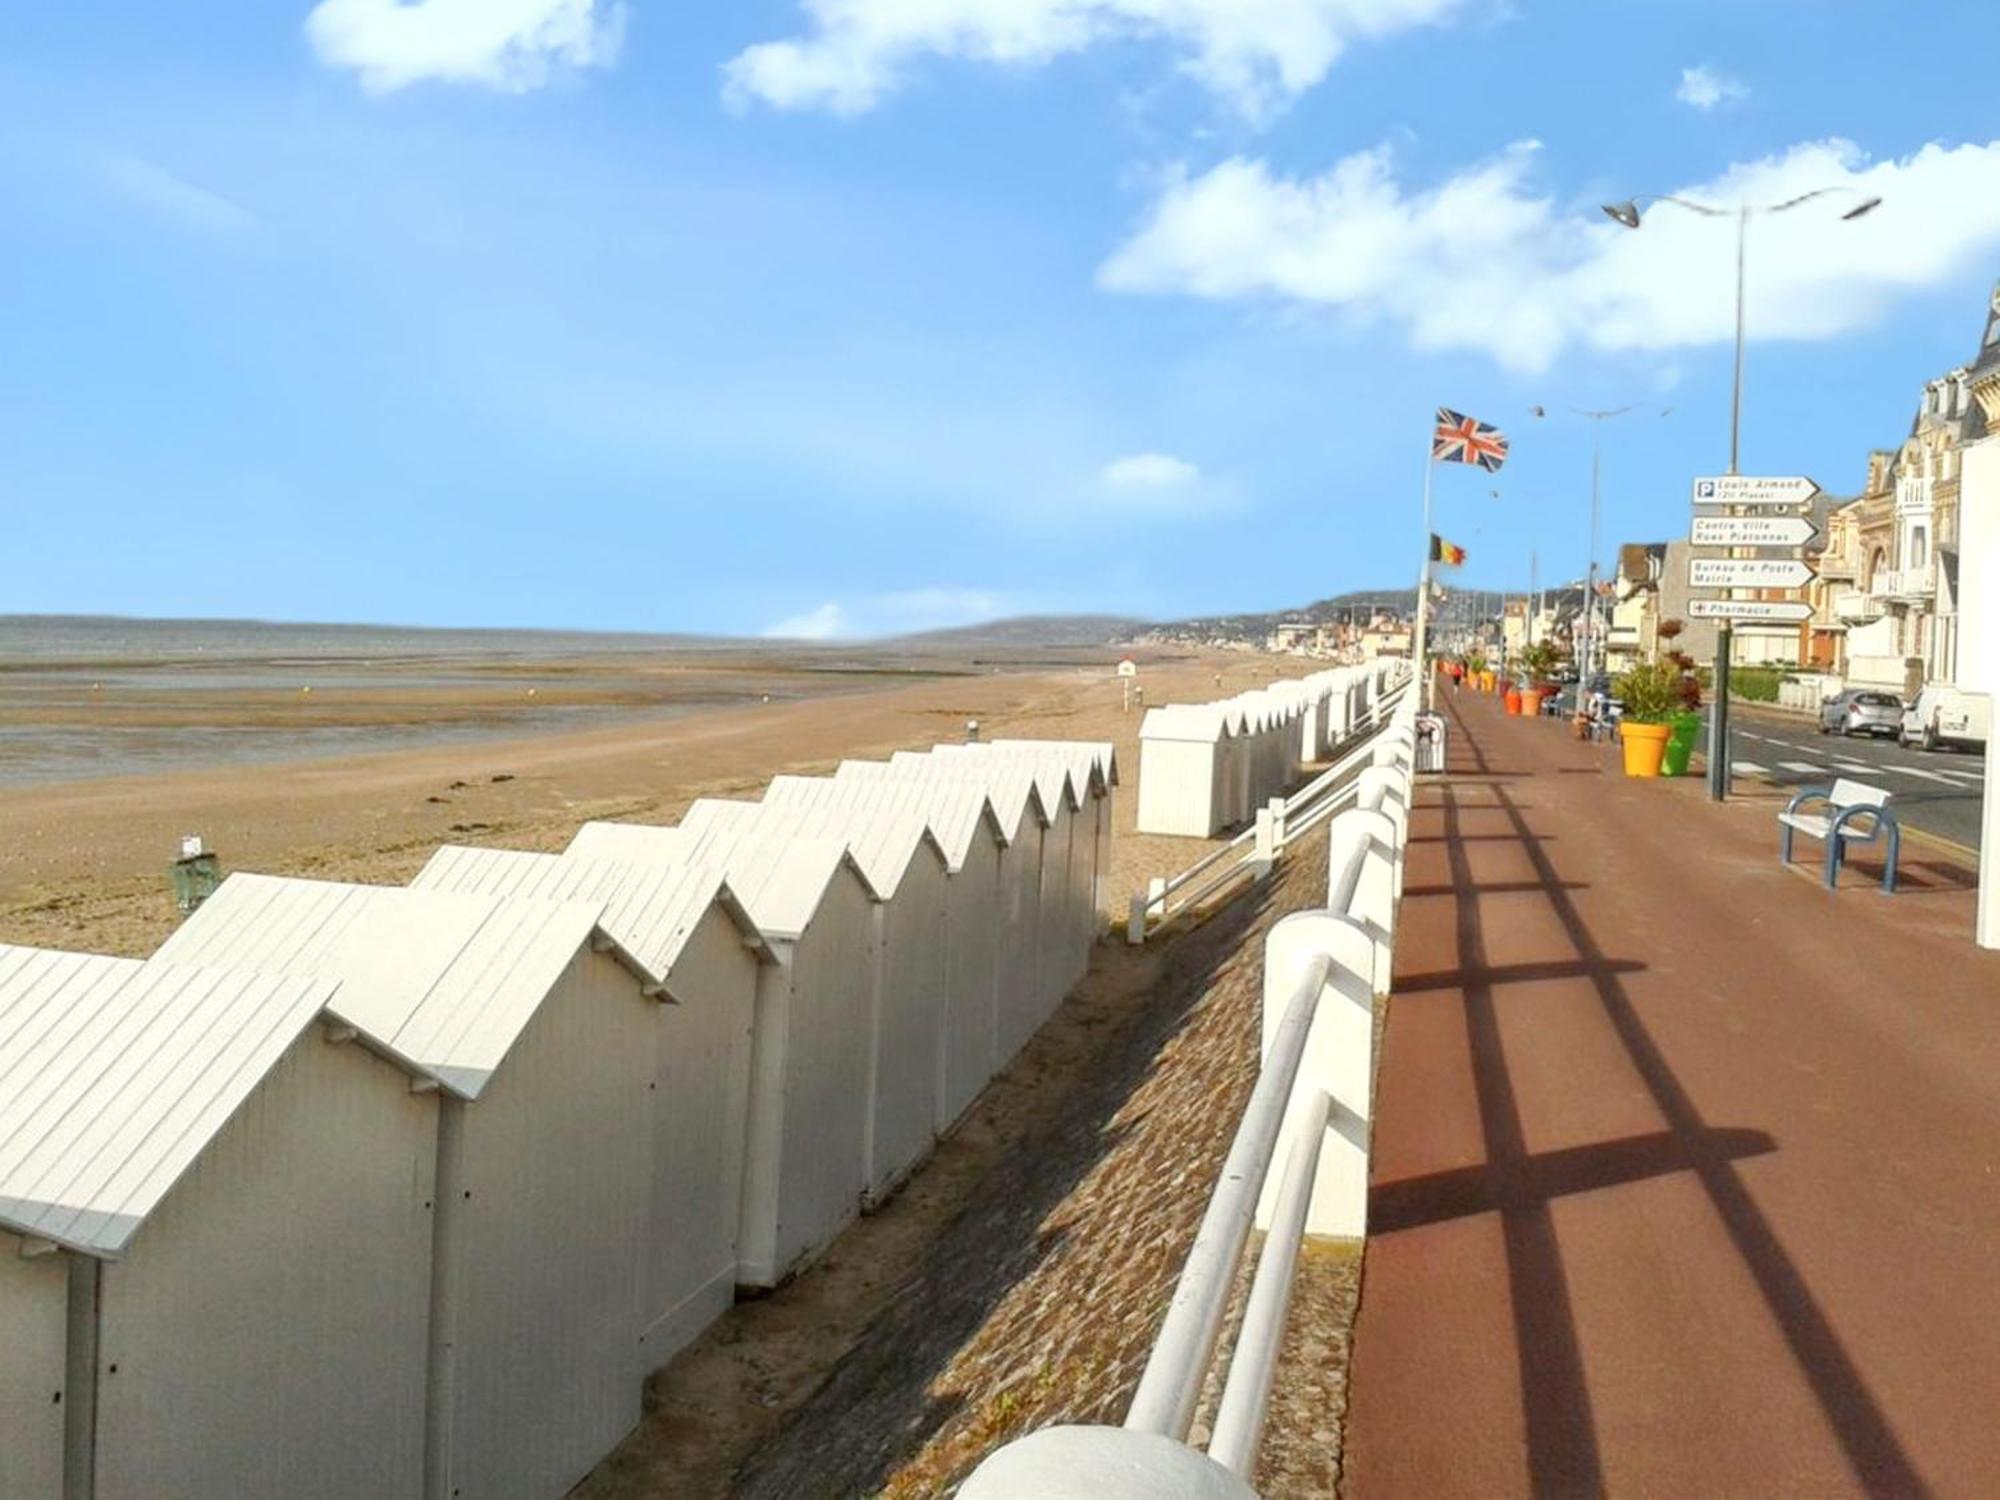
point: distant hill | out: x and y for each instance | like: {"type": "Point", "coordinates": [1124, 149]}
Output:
{"type": "Point", "coordinates": [1029, 630]}
{"type": "Point", "coordinates": [1256, 625]}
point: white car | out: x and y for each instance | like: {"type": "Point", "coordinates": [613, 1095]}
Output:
{"type": "Point", "coordinates": [1943, 715]}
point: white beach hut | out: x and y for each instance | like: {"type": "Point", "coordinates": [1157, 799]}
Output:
{"type": "Point", "coordinates": [906, 866]}
{"type": "Point", "coordinates": [1084, 771]}
{"type": "Point", "coordinates": [539, 1039]}
{"type": "Point", "coordinates": [1027, 971]}
{"type": "Point", "coordinates": [699, 950]}
{"type": "Point", "coordinates": [1055, 937]}
{"type": "Point", "coordinates": [809, 1052]}
{"type": "Point", "coordinates": [994, 898]}
{"type": "Point", "coordinates": [1186, 771]}
{"type": "Point", "coordinates": [216, 1230]}
{"type": "Point", "coordinates": [1093, 763]}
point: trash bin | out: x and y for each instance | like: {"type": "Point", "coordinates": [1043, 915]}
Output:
{"type": "Point", "coordinates": [1430, 743]}
{"type": "Point", "coordinates": [1680, 744]}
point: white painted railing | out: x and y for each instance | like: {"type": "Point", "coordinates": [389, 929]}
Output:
{"type": "Point", "coordinates": [1281, 822]}
{"type": "Point", "coordinates": [1323, 971]}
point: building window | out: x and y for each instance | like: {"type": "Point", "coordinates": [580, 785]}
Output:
{"type": "Point", "coordinates": [1920, 552]}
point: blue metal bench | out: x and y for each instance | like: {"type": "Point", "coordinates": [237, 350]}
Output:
{"type": "Point", "coordinates": [1855, 813]}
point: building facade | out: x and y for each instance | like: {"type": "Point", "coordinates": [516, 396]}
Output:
{"type": "Point", "coordinates": [1890, 571]}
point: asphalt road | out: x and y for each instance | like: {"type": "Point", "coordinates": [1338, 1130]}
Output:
{"type": "Point", "coordinates": [1938, 792]}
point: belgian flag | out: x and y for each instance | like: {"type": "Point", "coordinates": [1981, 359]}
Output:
{"type": "Point", "coordinates": [1448, 553]}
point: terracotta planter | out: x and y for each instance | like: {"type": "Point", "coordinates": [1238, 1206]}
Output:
{"type": "Point", "coordinates": [1531, 702]}
{"type": "Point", "coordinates": [1513, 701]}
{"type": "Point", "coordinates": [1645, 745]}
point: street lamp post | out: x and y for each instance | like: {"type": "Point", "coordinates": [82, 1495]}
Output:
{"type": "Point", "coordinates": [1627, 213]}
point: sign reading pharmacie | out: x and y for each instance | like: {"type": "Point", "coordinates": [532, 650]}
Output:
{"type": "Point", "coordinates": [1774, 611]}
{"type": "Point", "coordinates": [1760, 492]}
{"type": "Point", "coordinates": [1748, 573]}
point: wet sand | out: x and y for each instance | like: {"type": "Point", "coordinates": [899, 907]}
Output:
{"type": "Point", "coordinates": [83, 864]}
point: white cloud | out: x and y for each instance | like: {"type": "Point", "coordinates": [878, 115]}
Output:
{"type": "Point", "coordinates": [900, 613]}
{"type": "Point", "coordinates": [1488, 261]}
{"type": "Point", "coordinates": [1702, 87]}
{"type": "Point", "coordinates": [1159, 485]}
{"type": "Point", "coordinates": [826, 623]}
{"type": "Point", "coordinates": [1150, 471]}
{"type": "Point", "coordinates": [510, 45]}
{"type": "Point", "coordinates": [1257, 54]}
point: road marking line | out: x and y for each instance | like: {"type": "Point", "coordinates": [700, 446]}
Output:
{"type": "Point", "coordinates": [1804, 768]}
{"type": "Point", "coordinates": [1747, 768]}
{"type": "Point", "coordinates": [1852, 765]}
{"type": "Point", "coordinates": [1927, 775]}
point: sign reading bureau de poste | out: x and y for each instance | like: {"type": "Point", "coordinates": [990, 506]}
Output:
{"type": "Point", "coordinates": [1747, 573]}
{"type": "Point", "coordinates": [1766, 492]}
{"type": "Point", "coordinates": [1752, 531]}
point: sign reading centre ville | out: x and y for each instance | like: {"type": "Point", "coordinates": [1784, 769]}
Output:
{"type": "Point", "coordinates": [1774, 611]}
{"type": "Point", "coordinates": [1787, 492]}
{"type": "Point", "coordinates": [1748, 573]}
{"type": "Point", "coordinates": [1752, 531]}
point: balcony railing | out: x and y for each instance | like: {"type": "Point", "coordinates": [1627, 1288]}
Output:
{"type": "Point", "coordinates": [1908, 583]}
{"type": "Point", "coordinates": [1857, 604]}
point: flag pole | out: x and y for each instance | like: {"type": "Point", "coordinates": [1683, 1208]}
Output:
{"type": "Point", "coordinates": [1426, 690]}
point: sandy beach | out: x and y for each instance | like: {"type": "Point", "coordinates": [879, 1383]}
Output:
{"type": "Point", "coordinates": [83, 863]}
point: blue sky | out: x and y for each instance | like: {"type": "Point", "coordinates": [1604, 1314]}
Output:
{"type": "Point", "coordinates": [853, 316]}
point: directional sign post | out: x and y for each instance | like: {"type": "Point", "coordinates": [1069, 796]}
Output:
{"type": "Point", "coordinates": [1746, 512]}
{"type": "Point", "coordinates": [1751, 489]}
{"type": "Point", "coordinates": [1748, 573]}
{"type": "Point", "coordinates": [1763, 611]}
{"type": "Point", "coordinates": [1752, 531]}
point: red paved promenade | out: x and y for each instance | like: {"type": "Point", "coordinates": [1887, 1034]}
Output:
{"type": "Point", "coordinates": [1687, 1171]}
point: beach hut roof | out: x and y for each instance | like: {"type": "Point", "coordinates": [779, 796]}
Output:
{"type": "Point", "coordinates": [1200, 723]}
{"type": "Point", "coordinates": [650, 910]}
{"type": "Point", "coordinates": [884, 826]}
{"type": "Point", "coordinates": [442, 981]}
{"type": "Point", "coordinates": [957, 806]}
{"type": "Point", "coordinates": [1090, 767]}
{"type": "Point", "coordinates": [1054, 777]}
{"type": "Point", "coordinates": [1100, 755]}
{"type": "Point", "coordinates": [1012, 787]}
{"type": "Point", "coordinates": [115, 1074]}
{"type": "Point", "coordinates": [780, 881]}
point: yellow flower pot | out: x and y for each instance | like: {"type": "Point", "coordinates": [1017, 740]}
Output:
{"type": "Point", "coordinates": [1645, 746]}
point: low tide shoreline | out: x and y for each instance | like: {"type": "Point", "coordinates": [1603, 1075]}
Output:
{"type": "Point", "coordinates": [83, 862]}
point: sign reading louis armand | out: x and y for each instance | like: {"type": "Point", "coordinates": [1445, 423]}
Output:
{"type": "Point", "coordinates": [1764, 491]}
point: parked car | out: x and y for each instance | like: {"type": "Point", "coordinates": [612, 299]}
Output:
{"type": "Point", "coordinates": [1862, 711]}
{"type": "Point", "coordinates": [1943, 715]}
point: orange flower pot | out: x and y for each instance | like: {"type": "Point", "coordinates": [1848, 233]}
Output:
{"type": "Point", "coordinates": [1513, 701]}
{"type": "Point", "coordinates": [1531, 703]}
{"type": "Point", "coordinates": [1645, 746]}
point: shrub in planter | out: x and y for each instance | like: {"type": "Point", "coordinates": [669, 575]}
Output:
{"type": "Point", "coordinates": [1652, 695]}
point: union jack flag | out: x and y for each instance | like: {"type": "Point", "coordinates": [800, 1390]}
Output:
{"type": "Point", "coordinates": [1460, 439]}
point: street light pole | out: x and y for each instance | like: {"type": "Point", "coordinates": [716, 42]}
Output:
{"type": "Point", "coordinates": [1627, 214]}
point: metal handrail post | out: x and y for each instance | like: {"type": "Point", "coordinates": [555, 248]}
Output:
{"type": "Point", "coordinates": [1165, 1400]}
{"type": "Point", "coordinates": [1246, 1396]}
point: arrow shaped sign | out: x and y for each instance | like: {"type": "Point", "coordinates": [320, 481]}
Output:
{"type": "Point", "coordinates": [1752, 489]}
{"type": "Point", "coordinates": [1752, 531]}
{"type": "Point", "coordinates": [1747, 573]}
{"type": "Point", "coordinates": [1771, 610]}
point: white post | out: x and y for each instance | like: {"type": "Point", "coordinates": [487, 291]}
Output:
{"type": "Point", "coordinates": [1135, 922]}
{"type": "Point", "coordinates": [1979, 650]}
{"type": "Point", "coordinates": [1265, 852]}
{"type": "Point", "coordinates": [1277, 823]}
{"type": "Point", "coordinates": [1339, 1061]}
{"type": "Point", "coordinates": [1424, 581]}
